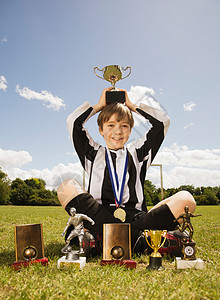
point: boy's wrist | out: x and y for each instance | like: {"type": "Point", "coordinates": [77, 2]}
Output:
{"type": "Point", "coordinates": [97, 108]}
{"type": "Point", "coordinates": [132, 107]}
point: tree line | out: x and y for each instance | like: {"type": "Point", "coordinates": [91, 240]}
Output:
{"type": "Point", "coordinates": [203, 195]}
{"type": "Point", "coordinates": [26, 192]}
{"type": "Point", "coordinates": [33, 192]}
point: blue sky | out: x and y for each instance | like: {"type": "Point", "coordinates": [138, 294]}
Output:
{"type": "Point", "coordinates": [47, 53]}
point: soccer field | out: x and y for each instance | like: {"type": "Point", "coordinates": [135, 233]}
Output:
{"type": "Point", "coordinates": [109, 282]}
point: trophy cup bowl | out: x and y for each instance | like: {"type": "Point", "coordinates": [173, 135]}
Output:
{"type": "Point", "coordinates": [155, 260]}
{"type": "Point", "coordinates": [113, 73]}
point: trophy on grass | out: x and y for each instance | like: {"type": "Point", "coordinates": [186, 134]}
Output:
{"type": "Point", "coordinates": [113, 73]}
{"type": "Point", "coordinates": [188, 258]}
{"type": "Point", "coordinates": [29, 248]}
{"type": "Point", "coordinates": [117, 245]}
{"type": "Point", "coordinates": [156, 242]}
{"type": "Point", "coordinates": [74, 258]}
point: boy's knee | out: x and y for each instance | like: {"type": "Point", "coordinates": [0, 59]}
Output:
{"type": "Point", "coordinates": [187, 200]}
{"type": "Point", "coordinates": [67, 190]}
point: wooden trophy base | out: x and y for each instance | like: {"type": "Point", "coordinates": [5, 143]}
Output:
{"type": "Point", "coordinates": [23, 264]}
{"type": "Point", "coordinates": [127, 263]}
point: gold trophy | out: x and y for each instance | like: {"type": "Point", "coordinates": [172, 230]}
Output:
{"type": "Point", "coordinates": [113, 73]}
{"type": "Point", "coordinates": [155, 261]}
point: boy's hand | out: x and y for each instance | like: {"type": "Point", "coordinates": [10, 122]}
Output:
{"type": "Point", "coordinates": [102, 101]}
{"type": "Point", "coordinates": [128, 102]}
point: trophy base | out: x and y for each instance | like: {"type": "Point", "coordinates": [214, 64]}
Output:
{"type": "Point", "coordinates": [127, 263]}
{"type": "Point", "coordinates": [64, 263]}
{"type": "Point", "coordinates": [188, 264]}
{"type": "Point", "coordinates": [115, 96]}
{"type": "Point", "coordinates": [155, 263]}
{"type": "Point", "coordinates": [22, 264]}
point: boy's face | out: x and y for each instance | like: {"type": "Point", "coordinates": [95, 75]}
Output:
{"type": "Point", "coordinates": [116, 133]}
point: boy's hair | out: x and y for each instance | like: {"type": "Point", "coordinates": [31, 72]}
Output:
{"type": "Point", "coordinates": [120, 109]}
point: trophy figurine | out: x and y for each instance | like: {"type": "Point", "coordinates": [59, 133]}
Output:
{"type": "Point", "coordinates": [155, 260]}
{"type": "Point", "coordinates": [188, 258]}
{"type": "Point", "coordinates": [113, 73]}
{"type": "Point", "coordinates": [74, 257]}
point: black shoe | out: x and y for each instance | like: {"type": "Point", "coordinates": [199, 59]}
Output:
{"type": "Point", "coordinates": [141, 246]}
{"type": "Point", "coordinates": [89, 245]}
{"type": "Point", "coordinates": [172, 245]}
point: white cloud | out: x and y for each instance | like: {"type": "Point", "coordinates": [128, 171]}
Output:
{"type": "Point", "coordinates": [4, 40]}
{"type": "Point", "coordinates": [53, 102]}
{"type": "Point", "coordinates": [142, 94]}
{"type": "Point", "coordinates": [13, 159]}
{"type": "Point", "coordinates": [182, 165]}
{"type": "Point", "coordinates": [189, 106]}
{"type": "Point", "coordinates": [3, 83]}
{"type": "Point", "coordinates": [188, 125]}
{"type": "Point", "coordinates": [183, 156]}
{"type": "Point", "coordinates": [53, 177]}
{"type": "Point", "coordinates": [192, 176]}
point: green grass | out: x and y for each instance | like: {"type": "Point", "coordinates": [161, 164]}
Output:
{"type": "Point", "coordinates": [109, 282]}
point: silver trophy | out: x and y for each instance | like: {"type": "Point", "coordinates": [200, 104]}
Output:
{"type": "Point", "coordinates": [74, 257]}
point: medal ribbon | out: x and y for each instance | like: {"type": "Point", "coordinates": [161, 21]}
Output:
{"type": "Point", "coordinates": [118, 187]}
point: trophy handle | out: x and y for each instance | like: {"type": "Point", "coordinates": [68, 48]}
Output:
{"type": "Point", "coordinates": [164, 234]}
{"type": "Point", "coordinates": [100, 71]}
{"type": "Point", "coordinates": [146, 235]}
{"type": "Point", "coordinates": [124, 69]}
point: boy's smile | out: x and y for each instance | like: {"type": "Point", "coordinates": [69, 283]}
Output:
{"type": "Point", "coordinates": [116, 133]}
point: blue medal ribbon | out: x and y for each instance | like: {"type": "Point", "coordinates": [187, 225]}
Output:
{"type": "Point", "coordinates": [117, 189]}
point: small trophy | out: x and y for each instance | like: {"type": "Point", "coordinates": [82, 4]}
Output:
{"type": "Point", "coordinates": [74, 258]}
{"type": "Point", "coordinates": [188, 258]}
{"type": "Point", "coordinates": [155, 260]}
{"type": "Point", "coordinates": [117, 245]}
{"type": "Point", "coordinates": [29, 246]}
{"type": "Point", "coordinates": [113, 73]}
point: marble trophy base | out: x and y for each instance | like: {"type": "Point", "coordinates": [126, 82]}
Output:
{"type": "Point", "coordinates": [127, 263]}
{"type": "Point", "coordinates": [71, 260]}
{"type": "Point", "coordinates": [64, 263]}
{"type": "Point", "coordinates": [26, 263]}
{"type": "Point", "coordinates": [188, 264]}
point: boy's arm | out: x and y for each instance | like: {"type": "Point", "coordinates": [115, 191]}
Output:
{"type": "Point", "coordinates": [82, 141]}
{"type": "Point", "coordinates": [148, 145]}
{"type": "Point", "coordinates": [102, 101]}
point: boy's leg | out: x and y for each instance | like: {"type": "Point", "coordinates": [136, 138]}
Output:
{"type": "Point", "coordinates": [164, 214]}
{"type": "Point", "coordinates": [177, 203]}
{"type": "Point", "coordinates": [71, 194]}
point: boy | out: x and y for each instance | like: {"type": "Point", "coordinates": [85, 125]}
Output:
{"type": "Point", "coordinates": [117, 173]}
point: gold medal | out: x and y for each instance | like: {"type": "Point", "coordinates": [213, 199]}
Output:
{"type": "Point", "coordinates": [120, 214]}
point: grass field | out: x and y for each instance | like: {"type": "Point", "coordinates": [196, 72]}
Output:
{"type": "Point", "coordinates": [109, 282]}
